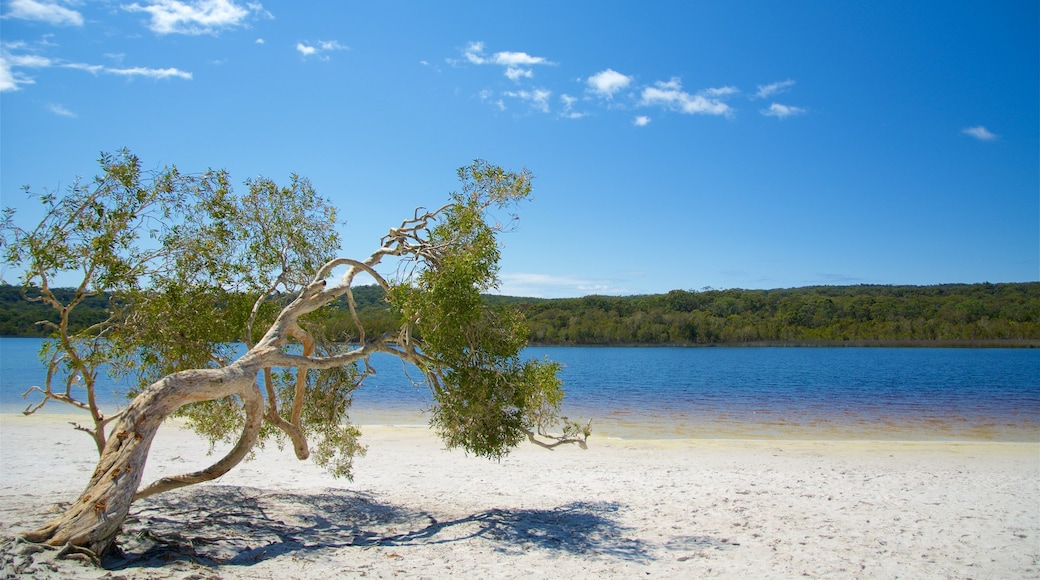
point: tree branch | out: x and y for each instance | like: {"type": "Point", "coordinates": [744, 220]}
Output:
{"type": "Point", "coordinates": [253, 403]}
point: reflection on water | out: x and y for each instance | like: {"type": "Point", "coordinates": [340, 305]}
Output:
{"type": "Point", "coordinates": [773, 393]}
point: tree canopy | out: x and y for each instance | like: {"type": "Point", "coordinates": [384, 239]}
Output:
{"type": "Point", "coordinates": [180, 263]}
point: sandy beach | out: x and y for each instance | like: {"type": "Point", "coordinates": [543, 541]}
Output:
{"type": "Point", "coordinates": [622, 509]}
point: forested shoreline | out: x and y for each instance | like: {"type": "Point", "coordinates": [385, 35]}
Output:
{"type": "Point", "coordinates": [946, 315]}
{"type": "Point", "coordinates": [1006, 314]}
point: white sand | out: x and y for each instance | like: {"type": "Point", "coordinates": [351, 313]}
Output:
{"type": "Point", "coordinates": [625, 509]}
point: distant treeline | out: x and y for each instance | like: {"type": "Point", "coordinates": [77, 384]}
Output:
{"type": "Point", "coordinates": [953, 314]}
{"type": "Point", "coordinates": [19, 315]}
{"type": "Point", "coordinates": [946, 314]}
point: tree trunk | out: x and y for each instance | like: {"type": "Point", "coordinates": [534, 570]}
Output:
{"type": "Point", "coordinates": [94, 520]}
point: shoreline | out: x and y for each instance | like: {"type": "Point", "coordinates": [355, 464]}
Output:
{"type": "Point", "coordinates": [64, 419]}
{"type": "Point", "coordinates": [655, 428]}
{"type": "Point", "coordinates": [1013, 343]}
{"type": "Point", "coordinates": [673, 429]}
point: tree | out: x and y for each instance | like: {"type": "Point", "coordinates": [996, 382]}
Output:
{"type": "Point", "coordinates": [190, 266]}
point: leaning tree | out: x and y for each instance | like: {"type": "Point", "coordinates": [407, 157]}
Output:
{"type": "Point", "coordinates": [217, 302]}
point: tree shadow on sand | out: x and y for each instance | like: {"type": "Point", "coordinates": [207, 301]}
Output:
{"type": "Point", "coordinates": [240, 526]}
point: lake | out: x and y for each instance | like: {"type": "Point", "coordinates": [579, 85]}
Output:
{"type": "Point", "coordinates": [723, 392]}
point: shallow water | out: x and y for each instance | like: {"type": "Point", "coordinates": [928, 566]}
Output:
{"type": "Point", "coordinates": [773, 393]}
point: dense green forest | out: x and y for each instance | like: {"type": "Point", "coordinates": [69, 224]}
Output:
{"type": "Point", "coordinates": [975, 313]}
{"type": "Point", "coordinates": [1006, 314]}
{"type": "Point", "coordinates": [19, 313]}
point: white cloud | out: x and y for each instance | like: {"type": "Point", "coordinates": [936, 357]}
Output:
{"type": "Point", "coordinates": [137, 71]}
{"type": "Point", "coordinates": [7, 79]}
{"type": "Point", "coordinates": [720, 92]}
{"type": "Point", "coordinates": [50, 12]}
{"type": "Point", "coordinates": [669, 94]}
{"type": "Point", "coordinates": [517, 59]}
{"type": "Point", "coordinates": [981, 133]}
{"type": "Point", "coordinates": [319, 50]}
{"type": "Point", "coordinates": [474, 52]}
{"type": "Point", "coordinates": [539, 98]}
{"type": "Point", "coordinates": [607, 82]}
{"type": "Point", "coordinates": [154, 73]}
{"type": "Point", "coordinates": [331, 45]}
{"type": "Point", "coordinates": [782, 111]}
{"type": "Point", "coordinates": [517, 63]}
{"type": "Point", "coordinates": [90, 68]}
{"type": "Point", "coordinates": [766, 91]}
{"type": "Point", "coordinates": [516, 74]}
{"type": "Point", "coordinates": [641, 121]}
{"type": "Point", "coordinates": [196, 17]}
{"type": "Point", "coordinates": [259, 41]}
{"type": "Point", "coordinates": [568, 107]}
{"type": "Point", "coordinates": [549, 286]}
{"type": "Point", "coordinates": [60, 110]}
{"type": "Point", "coordinates": [29, 61]}
{"type": "Point", "coordinates": [10, 79]}
{"type": "Point", "coordinates": [258, 9]}
{"type": "Point", "coordinates": [488, 96]}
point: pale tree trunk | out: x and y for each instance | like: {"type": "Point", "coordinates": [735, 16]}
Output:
{"type": "Point", "coordinates": [91, 524]}
{"type": "Point", "coordinates": [94, 520]}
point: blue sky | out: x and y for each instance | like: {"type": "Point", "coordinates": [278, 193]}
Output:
{"type": "Point", "coordinates": [676, 145]}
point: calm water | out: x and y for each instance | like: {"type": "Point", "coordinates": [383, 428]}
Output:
{"type": "Point", "coordinates": [820, 393]}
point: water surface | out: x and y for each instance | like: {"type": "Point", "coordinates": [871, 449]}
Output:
{"type": "Point", "coordinates": [731, 392]}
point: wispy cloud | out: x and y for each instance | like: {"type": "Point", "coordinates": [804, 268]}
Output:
{"type": "Point", "coordinates": [615, 90]}
{"type": "Point", "coordinates": [320, 49]}
{"type": "Point", "coordinates": [538, 98]}
{"type": "Point", "coordinates": [549, 286]}
{"type": "Point", "coordinates": [45, 11]}
{"type": "Point", "coordinates": [60, 110]}
{"type": "Point", "coordinates": [568, 107]}
{"type": "Point", "coordinates": [669, 94]}
{"type": "Point", "coordinates": [981, 133]}
{"type": "Point", "coordinates": [766, 91]}
{"type": "Point", "coordinates": [720, 92]}
{"type": "Point", "coordinates": [198, 17]}
{"type": "Point", "coordinates": [153, 73]}
{"type": "Point", "coordinates": [517, 59]}
{"type": "Point", "coordinates": [29, 61]}
{"type": "Point", "coordinates": [517, 64]}
{"type": "Point", "coordinates": [488, 96]}
{"type": "Point", "coordinates": [608, 82]}
{"type": "Point", "coordinates": [11, 79]}
{"type": "Point", "coordinates": [782, 111]}
{"type": "Point", "coordinates": [137, 71]}
{"type": "Point", "coordinates": [515, 74]}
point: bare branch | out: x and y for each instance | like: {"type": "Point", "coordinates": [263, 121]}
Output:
{"type": "Point", "coordinates": [248, 338]}
{"type": "Point", "coordinates": [578, 436]}
{"type": "Point", "coordinates": [253, 404]}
